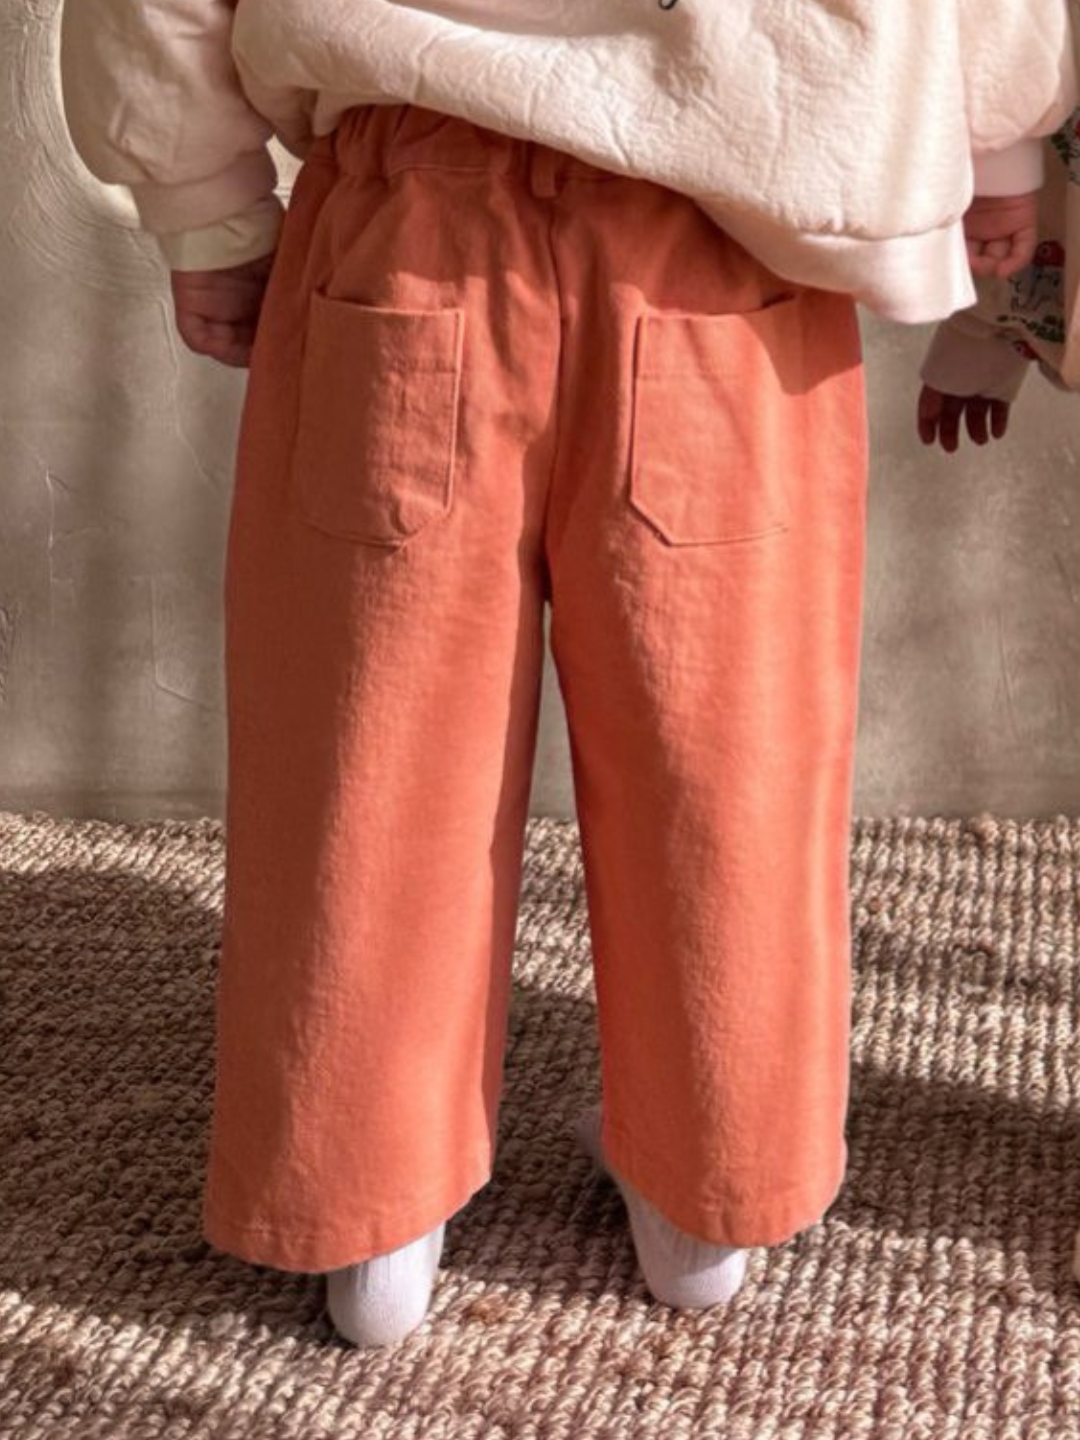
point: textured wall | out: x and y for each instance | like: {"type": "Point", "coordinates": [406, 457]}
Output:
{"type": "Point", "coordinates": [115, 449]}
{"type": "Point", "coordinates": [971, 659]}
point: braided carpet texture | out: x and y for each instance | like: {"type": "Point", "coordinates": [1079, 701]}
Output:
{"type": "Point", "coordinates": [935, 1301]}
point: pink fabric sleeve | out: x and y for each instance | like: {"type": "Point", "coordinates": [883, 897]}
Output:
{"type": "Point", "coordinates": [153, 102]}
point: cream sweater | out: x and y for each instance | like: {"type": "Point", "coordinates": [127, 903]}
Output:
{"type": "Point", "coordinates": [834, 138]}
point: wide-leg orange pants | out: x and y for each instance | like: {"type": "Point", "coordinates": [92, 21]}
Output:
{"type": "Point", "coordinates": [489, 377]}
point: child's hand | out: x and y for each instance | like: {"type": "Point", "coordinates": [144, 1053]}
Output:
{"type": "Point", "coordinates": [1001, 233]}
{"type": "Point", "coordinates": [940, 416]}
{"type": "Point", "coordinates": [217, 310]}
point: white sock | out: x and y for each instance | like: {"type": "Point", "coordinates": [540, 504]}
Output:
{"type": "Point", "coordinates": [679, 1269]}
{"type": "Point", "coordinates": [381, 1300]}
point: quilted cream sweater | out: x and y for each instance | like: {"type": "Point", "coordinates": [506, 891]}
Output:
{"type": "Point", "coordinates": [834, 138]}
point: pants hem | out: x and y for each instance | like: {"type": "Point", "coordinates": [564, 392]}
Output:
{"type": "Point", "coordinates": [282, 1248]}
{"type": "Point", "coordinates": [724, 1222]}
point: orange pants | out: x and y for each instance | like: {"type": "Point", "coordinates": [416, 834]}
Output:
{"type": "Point", "coordinates": [487, 378]}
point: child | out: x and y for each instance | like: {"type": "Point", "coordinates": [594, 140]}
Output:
{"type": "Point", "coordinates": [562, 313]}
{"type": "Point", "coordinates": [1026, 310]}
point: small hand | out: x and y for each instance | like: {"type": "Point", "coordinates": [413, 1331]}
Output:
{"type": "Point", "coordinates": [1001, 233]}
{"type": "Point", "coordinates": [217, 311]}
{"type": "Point", "coordinates": [940, 416]}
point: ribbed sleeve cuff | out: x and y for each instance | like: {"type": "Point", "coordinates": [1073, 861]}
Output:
{"type": "Point", "coordinates": [165, 209]}
{"type": "Point", "coordinates": [226, 242]}
{"type": "Point", "coordinates": [1019, 170]}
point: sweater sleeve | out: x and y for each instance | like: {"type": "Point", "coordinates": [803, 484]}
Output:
{"type": "Point", "coordinates": [1031, 95]}
{"type": "Point", "coordinates": [153, 102]}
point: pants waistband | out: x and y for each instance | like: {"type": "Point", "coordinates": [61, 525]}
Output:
{"type": "Point", "coordinates": [392, 138]}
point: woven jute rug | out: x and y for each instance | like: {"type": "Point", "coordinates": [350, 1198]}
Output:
{"type": "Point", "coordinates": [935, 1301]}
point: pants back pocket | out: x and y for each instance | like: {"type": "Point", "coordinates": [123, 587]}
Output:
{"type": "Point", "coordinates": [374, 453]}
{"type": "Point", "coordinates": [717, 416]}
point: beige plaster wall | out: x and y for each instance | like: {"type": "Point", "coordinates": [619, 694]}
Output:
{"type": "Point", "coordinates": [115, 457]}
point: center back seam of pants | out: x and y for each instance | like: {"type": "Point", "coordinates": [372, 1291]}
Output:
{"type": "Point", "coordinates": [556, 454]}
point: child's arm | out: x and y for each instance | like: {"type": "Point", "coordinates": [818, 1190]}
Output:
{"type": "Point", "coordinates": [1001, 225]}
{"type": "Point", "coordinates": [1001, 232]}
{"type": "Point", "coordinates": [153, 102]}
{"type": "Point", "coordinates": [976, 365]}
{"type": "Point", "coordinates": [217, 311]}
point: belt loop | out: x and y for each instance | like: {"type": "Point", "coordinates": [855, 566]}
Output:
{"type": "Point", "coordinates": [395, 119]}
{"type": "Point", "coordinates": [543, 170]}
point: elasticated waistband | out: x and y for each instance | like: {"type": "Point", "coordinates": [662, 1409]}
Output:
{"type": "Point", "coordinates": [388, 139]}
